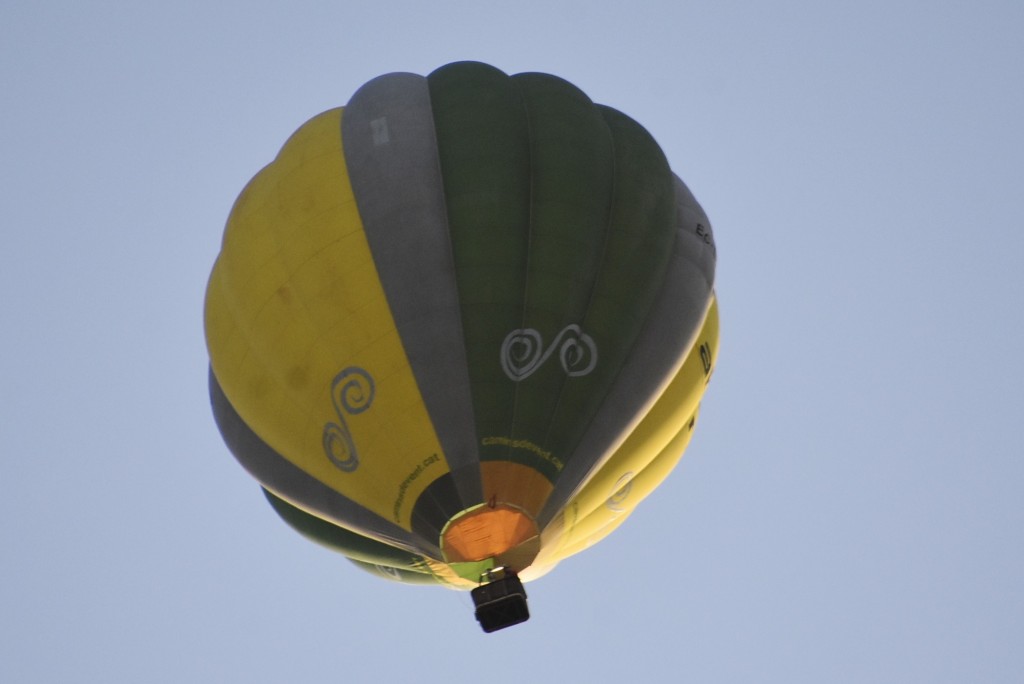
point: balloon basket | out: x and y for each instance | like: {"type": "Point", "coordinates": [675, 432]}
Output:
{"type": "Point", "coordinates": [500, 600]}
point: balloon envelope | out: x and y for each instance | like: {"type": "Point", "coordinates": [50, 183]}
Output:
{"type": "Point", "coordinates": [463, 322]}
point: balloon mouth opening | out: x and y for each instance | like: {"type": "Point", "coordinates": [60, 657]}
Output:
{"type": "Point", "coordinates": [499, 531]}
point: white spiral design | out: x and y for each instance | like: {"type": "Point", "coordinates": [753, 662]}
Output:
{"type": "Point", "coordinates": [522, 352]}
{"type": "Point", "coordinates": [620, 492]}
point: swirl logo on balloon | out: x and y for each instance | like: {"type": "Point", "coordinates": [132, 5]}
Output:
{"type": "Point", "coordinates": [621, 490]}
{"type": "Point", "coordinates": [388, 571]}
{"type": "Point", "coordinates": [523, 352]}
{"type": "Point", "coordinates": [352, 393]}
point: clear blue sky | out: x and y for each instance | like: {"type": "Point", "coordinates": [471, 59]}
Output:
{"type": "Point", "coordinates": [850, 509]}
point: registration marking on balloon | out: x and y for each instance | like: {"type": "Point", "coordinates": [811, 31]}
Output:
{"type": "Point", "coordinates": [522, 352]}
{"type": "Point", "coordinates": [352, 393]}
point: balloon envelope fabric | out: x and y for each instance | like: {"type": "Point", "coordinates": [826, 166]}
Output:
{"type": "Point", "coordinates": [464, 322]}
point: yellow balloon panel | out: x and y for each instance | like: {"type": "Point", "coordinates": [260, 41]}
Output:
{"type": "Point", "coordinates": [301, 337]}
{"type": "Point", "coordinates": [646, 455]}
{"type": "Point", "coordinates": [583, 531]}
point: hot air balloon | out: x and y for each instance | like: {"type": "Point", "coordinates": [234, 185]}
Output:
{"type": "Point", "coordinates": [461, 327]}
